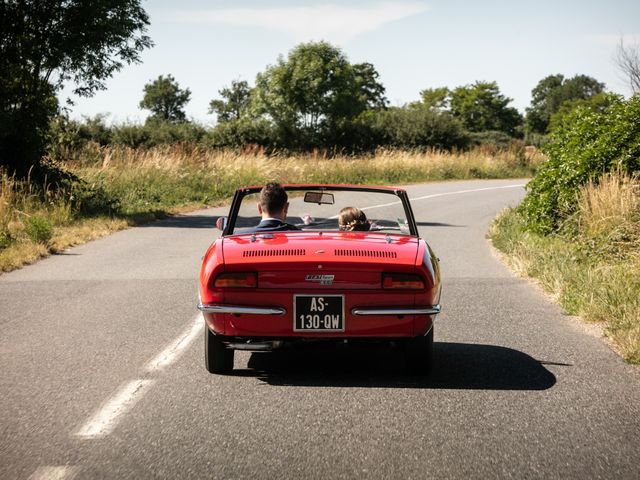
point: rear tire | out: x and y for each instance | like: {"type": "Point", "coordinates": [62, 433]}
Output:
{"type": "Point", "coordinates": [420, 354]}
{"type": "Point", "coordinates": [217, 357]}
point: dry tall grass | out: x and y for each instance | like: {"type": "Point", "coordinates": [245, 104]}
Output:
{"type": "Point", "coordinates": [314, 166]}
{"type": "Point", "coordinates": [593, 268]}
{"type": "Point", "coordinates": [610, 211]}
{"type": "Point", "coordinates": [143, 183]}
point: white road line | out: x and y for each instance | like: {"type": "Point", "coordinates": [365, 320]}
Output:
{"type": "Point", "coordinates": [435, 195]}
{"type": "Point", "coordinates": [177, 347]}
{"type": "Point", "coordinates": [105, 419]}
{"type": "Point", "coordinates": [466, 191]}
{"type": "Point", "coordinates": [55, 473]}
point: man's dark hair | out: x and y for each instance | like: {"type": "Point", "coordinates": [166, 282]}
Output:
{"type": "Point", "coordinates": [273, 198]}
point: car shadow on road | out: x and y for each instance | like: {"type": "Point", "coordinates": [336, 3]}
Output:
{"type": "Point", "coordinates": [184, 221]}
{"type": "Point", "coordinates": [456, 366]}
{"type": "Point", "coordinates": [438, 224]}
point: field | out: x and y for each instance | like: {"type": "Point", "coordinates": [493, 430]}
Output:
{"type": "Point", "coordinates": [120, 187]}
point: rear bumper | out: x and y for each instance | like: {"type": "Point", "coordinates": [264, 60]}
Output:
{"type": "Point", "coordinates": [237, 309]}
{"type": "Point", "coordinates": [277, 322]}
{"type": "Point", "coordinates": [430, 310]}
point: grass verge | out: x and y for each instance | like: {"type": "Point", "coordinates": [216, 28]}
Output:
{"type": "Point", "coordinates": [592, 266]}
{"type": "Point", "coordinates": [123, 187]}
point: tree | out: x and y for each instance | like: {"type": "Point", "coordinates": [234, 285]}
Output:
{"type": "Point", "coordinates": [313, 93]}
{"type": "Point", "coordinates": [628, 61]}
{"type": "Point", "coordinates": [551, 92]}
{"type": "Point", "coordinates": [436, 99]}
{"type": "Point", "coordinates": [370, 90]}
{"type": "Point", "coordinates": [235, 100]}
{"type": "Point", "coordinates": [165, 99]}
{"type": "Point", "coordinates": [46, 43]}
{"type": "Point", "coordinates": [597, 103]}
{"type": "Point", "coordinates": [482, 107]}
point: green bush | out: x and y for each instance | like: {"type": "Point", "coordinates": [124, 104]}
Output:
{"type": "Point", "coordinates": [156, 132]}
{"type": "Point", "coordinates": [418, 128]}
{"type": "Point", "coordinates": [130, 135]}
{"type": "Point", "coordinates": [584, 145]}
{"type": "Point", "coordinates": [5, 239]}
{"type": "Point", "coordinates": [491, 138]}
{"type": "Point", "coordinates": [241, 132]}
{"type": "Point", "coordinates": [38, 229]}
{"type": "Point", "coordinates": [67, 135]}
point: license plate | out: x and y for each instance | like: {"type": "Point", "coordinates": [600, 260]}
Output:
{"type": "Point", "coordinates": [318, 313]}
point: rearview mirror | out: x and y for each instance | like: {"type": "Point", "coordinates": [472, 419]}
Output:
{"type": "Point", "coordinates": [221, 223]}
{"type": "Point", "coordinates": [319, 198]}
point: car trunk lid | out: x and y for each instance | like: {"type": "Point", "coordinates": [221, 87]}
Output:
{"type": "Point", "coordinates": [327, 260]}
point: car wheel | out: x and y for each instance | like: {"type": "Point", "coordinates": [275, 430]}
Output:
{"type": "Point", "coordinates": [420, 354]}
{"type": "Point", "coordinates": [217, 357]}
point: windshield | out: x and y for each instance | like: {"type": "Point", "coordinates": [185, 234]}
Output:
{"type": "Point", "coordinates": [320, 210]}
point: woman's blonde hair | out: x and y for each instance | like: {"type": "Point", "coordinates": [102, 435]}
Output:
{"type": "Point", "coordinates": [353, 219]}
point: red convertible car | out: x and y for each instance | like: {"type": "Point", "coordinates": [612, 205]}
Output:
{"type": "Point", "coordinates": [334, 263]}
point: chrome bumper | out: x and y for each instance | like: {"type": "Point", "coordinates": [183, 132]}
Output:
{"type": "Point", "coordinates": [432, 310]}
{"type": "Point", "coordinates": [238, 309]}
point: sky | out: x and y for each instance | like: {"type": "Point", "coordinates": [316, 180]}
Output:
{"type": "Point", "coordinates": [413, 45]}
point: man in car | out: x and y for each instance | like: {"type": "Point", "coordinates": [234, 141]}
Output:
{"type": "Point", "coordinates": [273, 207]}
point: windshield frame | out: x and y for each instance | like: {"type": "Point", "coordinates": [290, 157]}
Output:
{"type": "Point", "coordinates": [400, 193]}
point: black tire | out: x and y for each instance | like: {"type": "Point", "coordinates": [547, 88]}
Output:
{"type": "Point", "coordinates": [420, 354]}
{"type": "Point", "coordinates": [217, 357]}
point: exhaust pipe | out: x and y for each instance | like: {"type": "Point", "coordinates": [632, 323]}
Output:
{"type": "Point", "coordinates": [256, 346]}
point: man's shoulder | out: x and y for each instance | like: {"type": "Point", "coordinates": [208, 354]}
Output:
{"type": "Point", "coordinates": [270, 225]}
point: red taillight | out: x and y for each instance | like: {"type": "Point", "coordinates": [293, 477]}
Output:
{"type": "Point", "coordinates": [402, 281]}
{"type": "Point", "coordinates": [236, 280]}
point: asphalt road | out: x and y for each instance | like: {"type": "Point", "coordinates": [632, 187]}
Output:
{"type": "Point", "coordinates": [101, 357]}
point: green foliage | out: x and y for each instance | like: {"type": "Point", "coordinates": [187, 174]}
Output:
{"type": "Point", "coordinates": [5, 239]}
{"type": "Point", "coordinates": [160, 132]}
{"type": "Point", "coordinates": [241, 132]}
{"type": "Point", "coordinates": [38, 228]}
{"type": "Point", "coordinates": [45, 44]}
{"type": "Point", "coordinates": [552, 92]}
{"type": "Point", "coordinates": [482, 107]}
{"type": "Point", "coordinates": [491, 138]}
{"type": "Point", "coordinates": [314, 91]}
{"type": "Point", "coordinates": [598, 102]}
{"type": "Point", "coordinates": [417, 128]}
{"type": "Point", "coordinates": [368, 88]}
{"type": "Point", "coordinates": [66, 137]}
{"type": "Point", "coordinates": [235, 100]}
{"type": "Point", "coordinates": [165, 99]}
{"type": "Point", "coordinates": [436, 98]}
{"type": "Point", "coordinates": [131, 135]}
{"type": "Point", "coordinates": [587, 143]}
{"type": "Point", "coordinates": [157, 132]}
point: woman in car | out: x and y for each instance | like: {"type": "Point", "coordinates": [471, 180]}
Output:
{"type": "Point", "coordinates": [352, 219]}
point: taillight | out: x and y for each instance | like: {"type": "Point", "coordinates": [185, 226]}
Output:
{"type": "Point", "coordinates": [236, 280]}
{"type": "Point", "coordinates": [402, 281]}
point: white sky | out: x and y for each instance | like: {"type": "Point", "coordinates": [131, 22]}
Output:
{"type": "Point", "coordinates": [413, 44]}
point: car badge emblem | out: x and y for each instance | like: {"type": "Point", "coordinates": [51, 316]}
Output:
{"type": "Point", "coordinates": [319, 251]}
{"type": "Point", "coordinates": [321, 279]}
